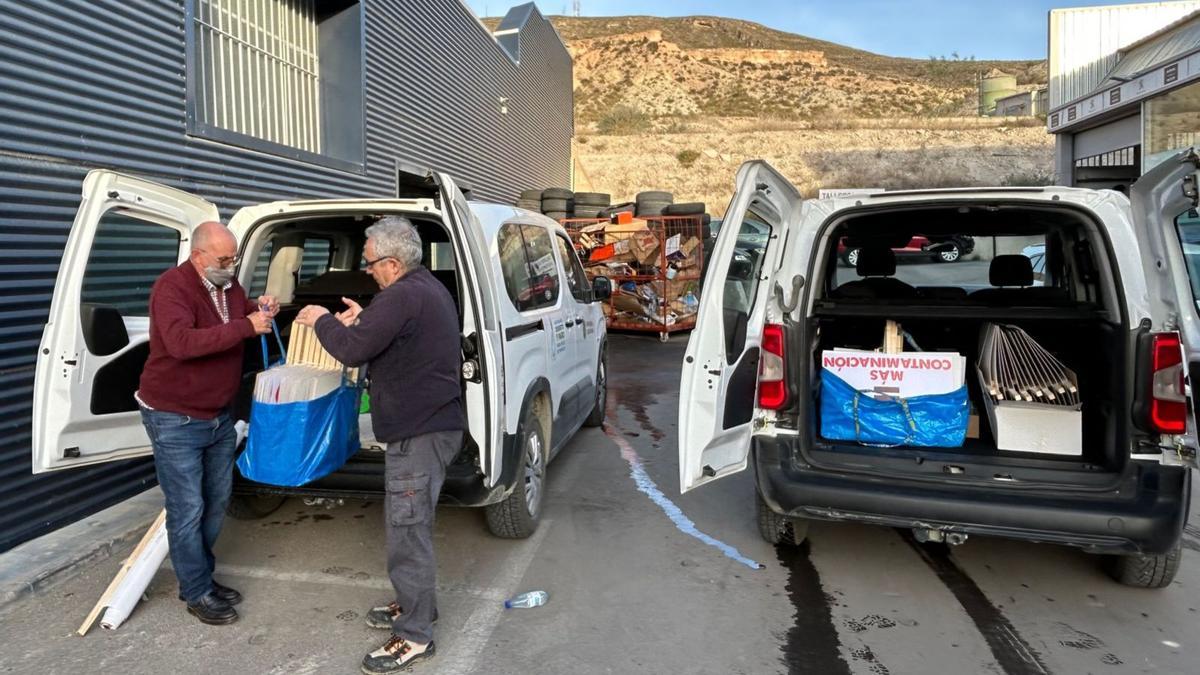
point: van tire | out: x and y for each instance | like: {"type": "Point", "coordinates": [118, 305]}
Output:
{"type": "Point", "coordinates": [557, 193]}
{"type": "Point", "coordinates": [777, 529]}
{"type": "Point", "coordinates": [555, 205]}
{"type": "Point", "coordinates": [1146, 571]}
{"type": "Point", "coordinates": [556, 215]}
{"type": "Point", "coordinates": [600, 405]}
{"type": "Point", "coordinates": [511, 519]}
{"type": "Point", "coordinates": [253, 507]}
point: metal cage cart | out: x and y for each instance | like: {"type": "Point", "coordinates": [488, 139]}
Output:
{"type": "Point", "coordinates": [655, 265]}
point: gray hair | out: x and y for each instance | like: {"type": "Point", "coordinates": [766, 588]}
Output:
{"type": "Point", "coordinates": [395, 237]}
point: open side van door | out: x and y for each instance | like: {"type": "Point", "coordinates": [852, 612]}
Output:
{"type": "Point", "coordinates": [126, 233]}
{"type": "Point", "coordinates": [1164, 202]}
{"type": "Point", "coordinates": [720, 366]}
{"type": "Point", "coordinates": [484, 388]}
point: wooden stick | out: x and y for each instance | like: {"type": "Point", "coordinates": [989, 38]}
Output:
{"type": "Point", "coordinates": [125, 566]}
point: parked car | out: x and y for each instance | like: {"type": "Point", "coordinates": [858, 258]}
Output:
{"type": "Point", "coordinates": [941, 249]}
{"type": "Point", "coordinates": [533, 333]}
{"type": "Point", "coordinates": [1115, 306]}
{"type": "Point", "coordinates": [1037, 259]}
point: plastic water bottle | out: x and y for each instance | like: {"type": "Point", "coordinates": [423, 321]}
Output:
{"type": "Point", "coordinates": [529, 599]}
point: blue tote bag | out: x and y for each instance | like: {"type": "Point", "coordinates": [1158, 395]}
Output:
{"type": "Point", "coordinates": [936, 421]}
{"type": "Point", "coordinates": [291, 444]}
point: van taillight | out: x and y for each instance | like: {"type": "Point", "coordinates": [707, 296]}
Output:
{"type": "Point", "coordinates": [772, 383]}
{"type": "Point", "coordinates": [1168, 402]}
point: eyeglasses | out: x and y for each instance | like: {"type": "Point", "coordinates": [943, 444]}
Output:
{"type": "Point", "coordinates": [372, 263]}
{"type": "Point", "coordinates": [225, 261]}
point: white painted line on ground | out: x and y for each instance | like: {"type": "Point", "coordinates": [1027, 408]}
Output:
{"type": "Point", "coordinates": [647, 486]}
{"type": "Point", "coordinates": [380, 583]}
{"type": "Point", "coordinates": [468, 643]}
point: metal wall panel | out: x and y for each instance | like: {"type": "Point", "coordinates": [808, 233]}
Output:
{"type": "Point", "coordinates": [103, 83]}
{"type": "Point", "coordinates": [1084, 42]}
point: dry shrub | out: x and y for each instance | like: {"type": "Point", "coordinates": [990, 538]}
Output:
{"type": "Point", "coordinates": [623, 120]}
{"type": "Point", "coordinates": [687, 158]}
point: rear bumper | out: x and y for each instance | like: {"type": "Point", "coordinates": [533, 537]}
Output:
{"type": "Point", "coordinates": [1146, 515]}
{"type": "Point", "coordinates": [362, 477]}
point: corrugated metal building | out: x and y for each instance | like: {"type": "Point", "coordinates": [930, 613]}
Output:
{"type": "Point", "coordinates": [240, 101]}
{"type": "Point", "coordinates": [1123, 91]}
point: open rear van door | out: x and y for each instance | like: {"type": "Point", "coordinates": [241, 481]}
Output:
{"type": "Point", "coordinates": [1164, 202]}
{"type": "Point", "coordinates": [126, 233]}
{"type": "Point", "coordinates": [720, 368]}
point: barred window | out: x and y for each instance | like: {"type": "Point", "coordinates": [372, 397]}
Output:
{"type": "Point", "coordinates": [260, 70]}
{"type": "Point", "coordinates": [282, 76]}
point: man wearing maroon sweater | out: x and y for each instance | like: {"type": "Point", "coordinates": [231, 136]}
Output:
{"type": "Point", "coordinates": [199, 320]}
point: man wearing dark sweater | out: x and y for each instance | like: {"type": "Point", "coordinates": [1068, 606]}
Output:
{"type": "Point", "coordinates": [199, 320]}
{"type": "Point", "coordinates": [410, 337]}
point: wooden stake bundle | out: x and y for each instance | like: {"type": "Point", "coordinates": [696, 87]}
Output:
{"type": "Point", "coordinates": [305, 349]}
{"type": "Point", "coordinates": [1016, 368]}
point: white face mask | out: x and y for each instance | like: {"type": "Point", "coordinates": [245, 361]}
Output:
{"type": "Point", "coordinates": [218, 276]}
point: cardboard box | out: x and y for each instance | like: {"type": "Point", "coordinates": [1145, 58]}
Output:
{"type": "Point", "coordinates": [973, 425]}
{"type": "Point", "coordinates": [903, 375]}
{"type": "Point", "coordinates": [1025, 426]}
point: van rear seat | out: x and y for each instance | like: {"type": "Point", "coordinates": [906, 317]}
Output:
{"type": "Point", "coordinates": [1012, 275]}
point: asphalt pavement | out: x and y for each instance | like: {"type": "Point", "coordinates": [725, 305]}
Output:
{"type": "Point", "coordinates": [641, 580]}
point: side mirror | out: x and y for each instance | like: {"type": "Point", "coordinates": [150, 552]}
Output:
{"type": "Point", "coordinates": [601, 289]}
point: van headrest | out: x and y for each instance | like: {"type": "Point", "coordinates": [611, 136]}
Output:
{"type": "Point", "coordinates": [875, 261]}
{"type": "Point", "coordinates": [1011, 270]}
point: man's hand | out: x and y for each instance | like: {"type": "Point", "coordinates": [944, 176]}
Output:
{"type": "Point", "coordinates": [309, 315]}
{"type": "Point", "coordinates": [350, 315]}
{"type": "Point", "coordinates": [261, 323]}
{"type": "Point", "coordinates": [268, 305]}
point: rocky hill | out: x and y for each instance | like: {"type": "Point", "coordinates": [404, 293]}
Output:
{"type": "Point", "coordinates": [732, 68]}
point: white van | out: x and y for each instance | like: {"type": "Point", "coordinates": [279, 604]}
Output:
{"type": "Point", "coordinates": [1107, 285]}
{"type": "Point", "coordinates": [533, 333]}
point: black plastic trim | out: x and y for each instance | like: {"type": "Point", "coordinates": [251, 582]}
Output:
{"type": "Point", "coordinates": [513, 332]}
{"type": "Point", "coordinates": [1146, 514]}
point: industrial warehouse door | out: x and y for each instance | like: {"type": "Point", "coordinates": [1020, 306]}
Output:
{"type": "Point", "coordinates": [126, 233]}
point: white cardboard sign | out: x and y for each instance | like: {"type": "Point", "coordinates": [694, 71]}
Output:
{"type": "Point", "coordinates": [903, 375]}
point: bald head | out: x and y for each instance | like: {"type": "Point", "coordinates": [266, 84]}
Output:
{"type": "Point", "coordinates": [212, 234]}
{"type": "Point", "coordinates": [213, 246]}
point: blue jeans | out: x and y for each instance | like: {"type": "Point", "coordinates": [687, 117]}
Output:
{"type": "Point", "coordinates": [194, 462]}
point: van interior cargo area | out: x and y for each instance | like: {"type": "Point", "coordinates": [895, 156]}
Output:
{"type": "Point", "coordinates": [319, 261]}
{"type": "Point", "coordinates": [1046, 272]}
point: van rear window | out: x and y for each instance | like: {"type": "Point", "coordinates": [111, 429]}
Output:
{"type": "Point", "coordinates": [941, 261]}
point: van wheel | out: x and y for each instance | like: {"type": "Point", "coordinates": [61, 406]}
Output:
{"type": "Point", "coordinates": [517, 516]}
{"type": "Point", "coordinates": [596, 418]}
{"type": "Point", "coordinates": [1146, 571]}
{"type": "Point", "coordinates": [253, 507]}
{"type": "Point", "coordinates": [777, 529]}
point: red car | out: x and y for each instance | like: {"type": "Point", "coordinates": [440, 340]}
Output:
{"type": "Point", "coordinates": [940, 249]}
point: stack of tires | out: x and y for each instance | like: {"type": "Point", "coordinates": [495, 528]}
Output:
{"type": "Point", "coordinates": [591, 204]}
{"type": "Point", "coordinates": [652, 203]}
{"type": "Point", "coordinates": [558, 203]}
{"type": "Point", "coordinates": [531, 200]}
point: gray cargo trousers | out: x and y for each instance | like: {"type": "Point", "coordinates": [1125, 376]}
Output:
{"type": "Point", "coordinates": [415, 470]}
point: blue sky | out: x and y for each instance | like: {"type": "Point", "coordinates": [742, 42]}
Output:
{"type": "Point", "coordinates": [989, 29]}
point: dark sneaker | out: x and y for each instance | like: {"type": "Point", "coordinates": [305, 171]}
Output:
{"type": "Point", "coordinates": [396, 655]}
{"type": "Point", "coordinates": [230, 596]}
{"type": "Point", "coordinates": [212, 610]}
{"type": "Point", "coordinates": [382, 617]}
